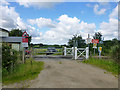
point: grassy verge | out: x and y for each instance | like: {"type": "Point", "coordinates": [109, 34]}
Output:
{"type": "Point", "coordinates": [23, 72]}
{"type": "Point", "coordinates": [108, 65]}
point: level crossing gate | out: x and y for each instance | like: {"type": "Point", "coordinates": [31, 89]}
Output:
{"type": "Point", "coordinates": [77, 52]}
{"type": "Point", "coordinates": [74, 52]}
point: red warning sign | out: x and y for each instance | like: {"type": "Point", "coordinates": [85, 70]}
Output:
{"type": "Point", "coordinates": [25, 40]}
{"type": "Point", "coordinates": [25, 34]}
{"type": "Point", "coordinates": [95, 40]}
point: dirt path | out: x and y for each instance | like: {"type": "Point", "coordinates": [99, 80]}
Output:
{"type": "Point", "coordinates": [71, 74]}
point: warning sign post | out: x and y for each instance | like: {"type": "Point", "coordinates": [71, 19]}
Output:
{"type": "Point", "coordinates": [100, 50]}
{"type": "Point", "coordinates": [24, 44]}
{"type": "Point", "coordinates": [25, 39]}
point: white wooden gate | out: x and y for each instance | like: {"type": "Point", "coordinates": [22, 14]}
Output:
{"type": "Point", "coordinates": [84, 52]}
{"type": "Point", "coordinates": [77, 52]}
{"type": "Point", "coordinates": [68, 51]}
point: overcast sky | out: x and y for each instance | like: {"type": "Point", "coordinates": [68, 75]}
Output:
{"type": "Point", "coordinates": [56, 22]}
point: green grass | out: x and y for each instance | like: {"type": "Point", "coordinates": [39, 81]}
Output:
{"type": "Point", "coordinates": [108, 65]}
{"type": "Point", "coordinates": [23, 72]}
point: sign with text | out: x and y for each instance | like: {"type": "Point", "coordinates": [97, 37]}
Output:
{"type": "Point", "coordinates": [89, 40]}
{"type": "Point", "coordinates": [25, 44]}
{"type": "Point", "coordinates": [94, 45]}
{"type": "Point", "coordinates": [95, 40]}
{"type": "Point", "coordinates": [25, 39]}
{"type": "Point", "coordinates": [99, 49]}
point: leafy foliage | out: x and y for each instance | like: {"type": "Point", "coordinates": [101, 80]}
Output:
{"type": "Point", "coordinates": [19, 33]}
{"type": "Point", "coordinates": [9, 57]}
{"type": "Point", "coordinates": [115, 53]}
{"type": "Point", "coordinates": [79, 42]}
{"type": "Point", "coordinates": [97, 35]}
{"type": "Point", "coordinates": [15, 32]}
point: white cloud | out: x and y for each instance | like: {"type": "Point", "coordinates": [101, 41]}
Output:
{"type": "Point", "coordinates": [114, 13]}
{"type": "Point", "coordinates": [99, 12]}
{"type": "Point", "coordinates": [110, 29]}
{"type": "Point", "coordinates": [38, 3]}
{"type": "Point", "coordinates": [42, 22]}
{"type": "Point", "coordinates": [3, 2]}
{"type": "Point", "coordinates": [10, 19]}
{"type": "Point", "coordinates": [64, 30]}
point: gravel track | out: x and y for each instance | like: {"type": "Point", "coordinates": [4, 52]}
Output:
{"type": "Point", "coordinates": [69, 74]}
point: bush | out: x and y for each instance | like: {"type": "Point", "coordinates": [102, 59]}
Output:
{"type": "Point", "coordinates": [9, 57]}
{"type": "Point", "coordinates": [115, 53]}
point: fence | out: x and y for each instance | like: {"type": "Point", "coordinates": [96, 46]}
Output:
{"type": "Point", "coordinates": [77, 52]}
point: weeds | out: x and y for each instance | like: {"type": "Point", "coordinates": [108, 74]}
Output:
{"type": "Point", "coordinates": [108, 65]}
{"type": "Point", "coordinates": [22, 72]}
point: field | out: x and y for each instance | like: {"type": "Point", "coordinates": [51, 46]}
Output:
{"type": "Point", "coordinates": [43, 52]}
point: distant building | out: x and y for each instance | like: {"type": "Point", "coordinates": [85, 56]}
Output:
{"type": "Point", "coordinates": [4, 33]}
{"type": "Point", "coordinates": [15, 42]}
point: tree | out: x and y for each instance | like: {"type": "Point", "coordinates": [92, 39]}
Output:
{"type": "Point", "coordinates": [114, 41]}
{"type": "Point", "coordinates": [79, 42]}
{"type": "Point", "coordinates": [98, 35]}
{"type": "Point", "coordinates": [16, 32]}
{"type": "Point", "coordinates": [19, 33]}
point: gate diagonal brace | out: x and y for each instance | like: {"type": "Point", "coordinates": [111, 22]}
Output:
{"type": "Point", "coordinates": [81, 53]}
{"type": "Point", "coordinates": [69, 51]}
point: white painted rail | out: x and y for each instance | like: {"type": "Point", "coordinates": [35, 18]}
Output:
{"type": "Point", "coordinates": [77, 52]}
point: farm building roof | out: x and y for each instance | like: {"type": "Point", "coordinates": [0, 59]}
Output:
{"type": "Point", "coordinates": [4, 30]}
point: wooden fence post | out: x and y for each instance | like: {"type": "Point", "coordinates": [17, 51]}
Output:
{"type": "Point", "coordinates": [31, 49]}
{"type": "Point", "coordinates": [23, 55]}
